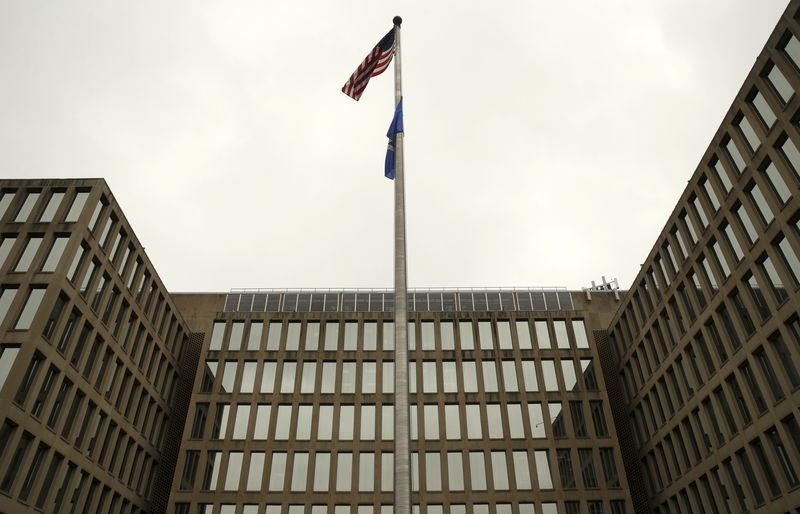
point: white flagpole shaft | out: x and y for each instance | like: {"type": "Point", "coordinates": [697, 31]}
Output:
{"type": "Point", "coordinates": [402, 467]}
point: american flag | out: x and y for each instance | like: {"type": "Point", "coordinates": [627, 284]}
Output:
{"type": "Point", "coordinates": [374, 64]}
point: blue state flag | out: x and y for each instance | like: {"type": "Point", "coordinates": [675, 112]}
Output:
{"type": "Point", "coordinates": [395, 128]}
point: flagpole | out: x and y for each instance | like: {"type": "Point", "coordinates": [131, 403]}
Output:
{"type": "Point", "coordinates": [402, 468]}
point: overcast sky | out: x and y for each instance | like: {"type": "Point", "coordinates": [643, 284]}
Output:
{"type": "Point", "coordinates": [546, 142]}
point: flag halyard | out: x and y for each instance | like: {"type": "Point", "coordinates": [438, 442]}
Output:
{"type": "Point", "coordinates": [375, 63]}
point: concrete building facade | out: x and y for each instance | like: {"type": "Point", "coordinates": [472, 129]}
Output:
{"type": "Point", "coordinates": [679, 395]}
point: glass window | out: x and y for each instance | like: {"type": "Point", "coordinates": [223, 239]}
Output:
{"type": "Point", "coordinates": [5, 201]}
{"type": "Point", "coordinates": [344, 466]}
{"type": "Point", "coordinates": [27, 207]}
{"type": "Point", "coordinates": [542, 334]}
{"type": "Point", "coordinates": [328, 384]}
{"type": "Point", "coordinates": [773, 279]}
{"type": "Point", "coordinates": [274, 336]}
{"type": "Point", "coordinates": [579, 329]}
{"type": "Point", "coordinates": [473, 421]}
{"type": "Point", "coordinates": [499, 471]}
{"type": "Point", "coordinates": [562, 339]}
{"type": "Point", "coordinates": [776, 182]}
{"type": "Point", "coordinates": [761, 203]}
{"type": "Point", "coordinates": [433, 471]}
{"type": "Point", "coordinates": [510, 376]}
{"type": "Point", "coordinates": [25, 260]}
{"type": "Point", "coordinates": [780, 349]}
{"type": "Point", "coordinates": [388, 377]}
{"type": "Point", "coordinates": [489, 376]}
{"type": "Point", "coordinates": [430, 420]}
{"type": "Point", "coordinates": [217, 334]}
{"type": "Point", "coordinates": [248, 377]}
{"type": "Point", "coordinates": [370, 336]}
{"type": "Point", "coordinates": [449, 378]}
{"type": "Point", "coordinates": [325, 423]}
{"type": "Point", "coordinates": [455, 471]}
{"type": "Point", "coordinates": [346, 422]}
{"type": "Point", "coordinates": [234, 471]}
{"type": "Point", "coordinates": [565, 471]}
{"type": "Point", "coordinates": [429, 376]}
{"type": "Point", "coordinates": [587, 467]}
{"type": "Point", "coordinates": [8, 354]}
{"type": "Point", "coordinates": [495, 421]}
{"type": "Point", "coordinates": [549, 372]}
{"type": "Point", "coordinates": [722, 175]}
{"type": "Point", "coordinates": [791, 155]}
{"type": "Point", "coordinates": [447, 335]}
{"type": "Point", "coordinates": [749, 134]}
{"type": "Point", "coordinates": [578, 420]}
{"type": "Point", "coordinates": [277, 471]}
{"type": "Point", "coordinates": [268, 376]}
{"type": "Point", "coordinates": [348, 377]}
{"type": "Point", "coordinates": [350, 336]}
{"type": "Point", "coordinates": [367, 423]}
{"type": "Point", "coordinates": [387, 426]}
{"type": "Point", "coordinates": [568, 369]}
{"type": "Point", "coordinates": [789, 258]}
{"type": "Point", "coordinates": [228, 376]}
{"type": "Point", "coordinates": [744, 220]}
{"type": "Point", "coordinates": [543, 469]}
{"type": "Point", "coordinates": [780, 85]}
{"type": "Point", "coordinates": [428, 339]}
{"type": "Point", "coordinates": [299, 471]}
{"type": "Point", "coordinates": [478, 471]}
{"type": "Point", "coordinates": [529, 375]}
{"type": "Point", "coordinates": [452, 419]}
{"type": "Point", "coordinates": [763, 109]}
{"type": "Point", "coordinates": [598, 418]}
{"type": "Point", "coordinates": [241, 422]}
{"type": "Point", "coordinates": [536, 420]}
{"type": "Point", "coordinates": [54, 256]}
{"type": "Point", "coordinates": [283, 422]}
{"type": "Point", "coordinates": [256, 471]}
{"type": "Point", "coordinates": [504, 334]}
{"type": "Point", "coordinates": [469, 372]}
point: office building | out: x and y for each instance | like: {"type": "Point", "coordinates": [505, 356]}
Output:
{"type": "Point", "coordinates": [679, 395]}
{"type": "Point", "coordinates": [89, 356]}
{"type": "Point", "coordinates": [293, 412]}
{"type": "Point", "coordinates": [707, 342]}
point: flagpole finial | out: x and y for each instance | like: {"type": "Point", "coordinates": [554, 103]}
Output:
{"type": "Point", "coordinates": [397, 20]}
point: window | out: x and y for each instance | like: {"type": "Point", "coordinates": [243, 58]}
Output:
{"type": "Point", "coordinates": [598, 418]}
{"type": "Point", "coordinates": [747, 131]}
{"type": "Point", "coordinates": [529, 375]}
{"type": "Point", "coordinates": [742, 312]}
{"type": "Point", "coordinates": [785, 357]}
{"type": "Point", "coordinates": [549, 372]}
{"type": "Point", "coordinates": [763, 109]}
{"type": "Point", "coordinates": [256, 471]}
{"type": "Point", "coordinates": [578, 420]}
{"type": "Point", "coordinates": [779, 84]}
{"type": "Point", "coordinates": [722, 174]}
{"type": "Point", "coordinates": [744, 220]}
{"type": "Point", "coordinates": [543, 469]}
{"type": "Point", "coordinates": [277, 471]}
{"type": "Point", "coordinates": [36, 363]}
{"type": "Point", "coordinates": [27, 206]}
{"type": "Point", "coordinates": [478, 471]}
{"type": "Point", "coordinates": [25, 260]}
{"type": "Point", "coordinates": [299, 473]}
{"type": "Point", "coordinates": [757, 197]}
{"type": "Point", "coordinates": [557, 423]}
{"type": "Point", "coordinates": [773, 279]}
{"type": "Point", "coordinates": [776, 182]}
{"type": "Point", "coordinates": [15, 463]}
{"type": "Point", "coordinates": [536, 419]}
{"type": "Point", "coordinates": [217, 333]}
{"type": "Point", "coordinates": [542, 334]}
{"type": "Point", "coordinates": [455, 471]}
{"type": "Point", "coordinates": [789, 258]}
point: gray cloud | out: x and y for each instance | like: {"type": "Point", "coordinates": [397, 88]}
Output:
{"type": "Point", "coordinates": [546, 143]}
